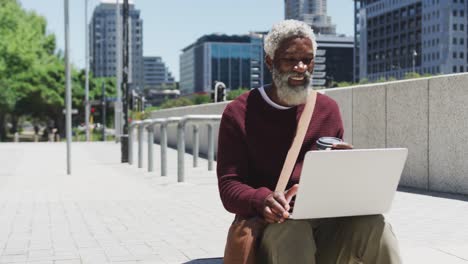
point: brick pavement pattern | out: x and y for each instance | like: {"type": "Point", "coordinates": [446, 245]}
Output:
{"type": "Point", "coordinates": [108, 212]}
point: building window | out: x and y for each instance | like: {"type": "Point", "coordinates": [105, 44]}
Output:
{"type": "Point", "coordinates": [462, 13]}
{"type": "Point", "coordinates": [462, 69]}
{"type": "Point", "coordinates": [454, 41]}
{"type": "Point", "coordinates": [454, 13]}
{"type": "Point", "coordinates": [454, 55]}
{"type": "Point", "coordinates": [455, 27]}
{"type": "Point", "coordinates": [454, 69]}
{"type": "Point", "coordinates": [462, 27]}
{"type": "Point", "coordinates": [462, 41]}
{"type": "Point", "coordinates": [462, 55]}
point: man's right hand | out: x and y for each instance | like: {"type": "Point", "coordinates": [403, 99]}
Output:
{"type": "Point", "coordinates": [277, 205]}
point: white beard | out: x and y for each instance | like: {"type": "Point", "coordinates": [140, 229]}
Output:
{"type": "Point", "coordinates": [291, 95]}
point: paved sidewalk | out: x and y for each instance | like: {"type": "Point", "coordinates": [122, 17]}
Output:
{"type": "Point", "coordinates": [108, 212]}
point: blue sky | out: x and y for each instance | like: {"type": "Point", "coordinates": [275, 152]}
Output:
{"type": "Point", "coordinates": [171, 25]}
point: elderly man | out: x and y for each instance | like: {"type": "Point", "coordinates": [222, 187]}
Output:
{"type": "Point", "coordinates": [255, 134]}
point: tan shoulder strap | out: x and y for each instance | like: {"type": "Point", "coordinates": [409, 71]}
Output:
{"type": "Point", "coordinates": [293, 152]}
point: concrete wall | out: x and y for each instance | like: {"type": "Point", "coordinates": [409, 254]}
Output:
{"type": "Point", "coordinates": [429, 116]}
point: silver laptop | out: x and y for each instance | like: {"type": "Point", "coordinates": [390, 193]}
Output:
{"type": "Point", "coordinates": [338, 183]}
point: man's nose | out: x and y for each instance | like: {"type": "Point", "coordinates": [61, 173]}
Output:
{"type": "Point", "coordinates": [300, 67]}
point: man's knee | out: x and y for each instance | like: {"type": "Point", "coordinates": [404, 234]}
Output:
{"type": "Point", "coordinates": [376, 241]}
{"type": "Point", "coordinates": [291, 240]}
{"type": "Point", "coordinates": [367, 222]}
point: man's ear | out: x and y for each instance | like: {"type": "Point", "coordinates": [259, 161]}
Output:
{"type": "Point", "coordinates": [269, 62]}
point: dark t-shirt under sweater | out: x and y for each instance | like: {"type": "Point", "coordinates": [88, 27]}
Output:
{"type": "Point", "coordinates": [254, 138]}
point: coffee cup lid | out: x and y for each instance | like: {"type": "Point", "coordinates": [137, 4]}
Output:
{"type": "Point", "coordinates": [327, 142]}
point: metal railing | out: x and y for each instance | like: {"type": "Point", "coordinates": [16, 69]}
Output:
{"type": "Point", "coordinates": [181, 140]}
{"type": "Point", "coordinates": [149, 124]}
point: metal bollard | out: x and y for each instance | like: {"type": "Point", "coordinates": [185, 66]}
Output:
{"type": "Point", "coordinates": [130, 140]}
{"type": "Point", "coordinates": [180, 151]}
{"type": "Point", "coordinates": [210, 146]}
{"type": "Point", "coordinates": [195, 145]}
{"type": "Point", "coordinates": [130, 145]}
{"type": "Point", "coordinates": [150, 129]}
{"type": "Point", "coordinates": [163, 142]}
{"type": "Point", "coordinates": [140, 145]}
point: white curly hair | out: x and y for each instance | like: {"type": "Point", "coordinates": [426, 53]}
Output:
{"type": "Point", "coordinates": [284, 30]}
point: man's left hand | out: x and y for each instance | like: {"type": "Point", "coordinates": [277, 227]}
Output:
{"type": "Point", "coordinates": [342, 145]}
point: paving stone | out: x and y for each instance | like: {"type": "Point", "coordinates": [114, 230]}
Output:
{"type": "Point", "coordinates": [108, 212]}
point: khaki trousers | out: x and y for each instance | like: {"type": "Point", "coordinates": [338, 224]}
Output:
{"type": "Point", "coordinates": [344, 240]}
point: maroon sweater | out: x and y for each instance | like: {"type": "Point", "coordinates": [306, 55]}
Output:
{"type": "Point", "coordinates": [253, 142]}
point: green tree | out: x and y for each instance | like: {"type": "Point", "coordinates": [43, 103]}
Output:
{"type": "Point", "coordinates": [181, 101]}
{"type": "Point", "coordinates": [233, 94]}
{"type": "Point", "coordinates": [25, 49]}
{"type": "Point", "coordinates": [364, 81]}
{"type": "Point", "coordinates": [201, 99]}
{"type": "Point", "coordinates": [344, 84]}
{"type": "Point", "coordinates": [412, 75]}
{"type": "Point", "coordinates": [32, 75]}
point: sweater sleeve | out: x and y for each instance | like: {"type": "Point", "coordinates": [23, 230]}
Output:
{"type": "Point", "coordinates": [232, 166]}
{"type": "Point", "coordinates": [335, 119]}
{"type": "Point", "coordinates": [339, 122]}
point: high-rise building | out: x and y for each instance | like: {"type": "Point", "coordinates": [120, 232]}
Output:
{"type": "Point", "coordinates": [333, 61]}
{"type": "Point", "coordinates": [103, 40]}
{"type": "Point", "coordinates": [156, 73]}
{"type": "Point", "coordinates": [235, 60]}
{"type": "Point", "coordinates": [313, 12]}
{"type": "Point", "coordinates": [397, 37]}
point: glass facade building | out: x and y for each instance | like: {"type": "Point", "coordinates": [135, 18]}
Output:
{"type": "Point", "coordinates": [156, 73]}
{"type": "Point", "coordinates": [396, 37]}
{"type": "Point", "coordinates": [236, 61]}
{"type": "Point", "coordinates": [313, 12]}
{"type": "Point", "coordinates": [333, 61]}
{"type": "Point", "coordinates": [103, 44]}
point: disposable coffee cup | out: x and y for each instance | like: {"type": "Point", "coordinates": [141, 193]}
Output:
{"type": "Point", "coordinates": [326, 143]}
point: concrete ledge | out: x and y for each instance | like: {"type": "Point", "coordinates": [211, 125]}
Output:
{"type": "Point", "coordinates": [448, 134]}
{"type": "Point", "coordinates": [344, 98]}
{"type": "Point", "coordinates": [407, 126]}
{"type": "Point", "coordinates": [428, 116]}
{"type": "Point", "coordinates": [369, 125]}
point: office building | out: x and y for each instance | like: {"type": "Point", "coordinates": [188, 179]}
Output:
{"type": "Point", "coordinates": [395, 37]}
{"type": "Point", "coordinates": [312, 12]}
{"type": "Point", "coordinates": [103, 44]}
{"type": "Point", "coordinates": [156, 74]}
{"type": "Point", "coordinates": [333, 61]}
{"type": "Point", "coordinates": [235, 60]}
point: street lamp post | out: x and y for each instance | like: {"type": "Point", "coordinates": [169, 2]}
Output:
{"type": "Point", "coordinates": [124, 139]}
{"type": "Point", "coordinates": [86, 73]}
{"type": "Point", "coordinates": [103, 110]}
{"type": "Point", "coordinates": [118, 102]}
{"type": "Point", "coordinates": [414, 60]}
{"type": "Point", "coordinates": [67, 87]}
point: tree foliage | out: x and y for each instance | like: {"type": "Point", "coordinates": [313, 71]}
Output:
{"type": "Point", "coordinates": [201, 99]}
{"type": "Point", "coordinates": [181, 101]}
{"type": "Point", "coordinates": [32, 73]}
{"type": "Point", "coordinates": [233, 94]}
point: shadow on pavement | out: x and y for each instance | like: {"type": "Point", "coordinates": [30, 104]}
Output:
{"type": "Point", "coordinates": [459, 197]}
{"type": "Point", "coordinates": [206, 261]}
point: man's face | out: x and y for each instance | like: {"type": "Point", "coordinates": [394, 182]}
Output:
{"type": "Point", "coordinates": [292, 69]}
